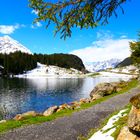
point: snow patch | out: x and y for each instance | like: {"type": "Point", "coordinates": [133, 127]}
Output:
{"type": "Point", "coordinates": [50, 72]}
{"type": "Point", "coordinates": [101, 134]}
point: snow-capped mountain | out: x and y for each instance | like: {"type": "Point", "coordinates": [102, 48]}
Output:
{"type": "Point", "coordinates": [102, 65]}
{"type": "Point", "coordinates": [9, 45]}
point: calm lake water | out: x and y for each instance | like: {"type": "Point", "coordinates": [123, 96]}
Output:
{"type": "Point", "coordinates": [21, 95]}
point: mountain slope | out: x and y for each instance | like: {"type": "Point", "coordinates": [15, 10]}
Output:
{"type": "Point", "coordinates": [9, 45]}
{"type": "Point", "coordinates": [102, 65]}
{"type": "Point", "coordinates": [126, 62]}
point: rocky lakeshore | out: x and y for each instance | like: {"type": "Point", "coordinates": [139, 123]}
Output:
{"type": "Point", "coordinates": [100, 91]}
{"type": "Point", "coordinates": [76, 123]}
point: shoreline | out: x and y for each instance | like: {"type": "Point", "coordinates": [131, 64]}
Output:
{"type": "Point", "coordinates": [62, 110]}
{"type": "Point", "coordinates": [70, 123]}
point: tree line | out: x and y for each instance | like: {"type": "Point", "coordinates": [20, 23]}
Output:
{"type": "Point", "coordinates": [18, 62]}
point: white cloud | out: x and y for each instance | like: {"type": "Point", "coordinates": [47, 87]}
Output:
{"type": "Point", "coordinates": [104, 49]}
{"type": "Point", "coordinates": [123, 36]}
{"type": "Point", "coordinates": [34, 12]}
{"type": "Point", "coordinates": [104, 35]}
{"type": "Point", "coordinates": [36, 25]}
{"type": "Point", "coordinates": [9, 29]}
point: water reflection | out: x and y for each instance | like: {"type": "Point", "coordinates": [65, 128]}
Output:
{"type": "Point", "coordinates": [21, 95]}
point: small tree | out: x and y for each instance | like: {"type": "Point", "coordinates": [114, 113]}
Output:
{"type": "Point", "coordinates": [66, 14]}
{"type": "Point", "coordinates": [135, 52]}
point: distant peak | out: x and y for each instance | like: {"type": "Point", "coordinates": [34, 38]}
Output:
{"type": "Point", "coordinates": [7, 37]}
{"type": "Point", "coordinates": [9, 45]}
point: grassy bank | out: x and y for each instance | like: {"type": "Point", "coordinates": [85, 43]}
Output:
{"type": "Point", "coordinates": [11, 124]}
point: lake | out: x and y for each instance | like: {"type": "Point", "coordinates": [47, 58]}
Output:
{"type": "Point", "coordinates": [19, 95]}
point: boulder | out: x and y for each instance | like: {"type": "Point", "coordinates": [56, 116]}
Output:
{"type": "Point", "coordinates": [125, 134]}
{"type": "Point", "coordinates": [30, 113]}
{"type": "Point", "coordinates": [63, 107]}
{"type": "Point", "coordinates": [134, 119]}
{"type": "Point", "coordinates": [135, 101]}
{"type": "Point", "coordinates": [50, 111]}
{"type": "Point", "coordinates": [3, 121]}
{"type": "Point", "coordinates": [76, 105]}
{"type": "Point", "coordinates": [96, 96]}
{"type": "Point", "coordinates": [105, 89]}
{"type": "Point", "coordinates": [18, 117]}
{"type": "Point", "coordinates": [85, 100]}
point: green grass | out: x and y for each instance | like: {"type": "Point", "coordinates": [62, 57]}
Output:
{"type": "Point", "coordinates": [94, 74]}
{"type": "Point", "coordinates": [121, 123]}
{"type": "Point", "coordinates": [11, 124]}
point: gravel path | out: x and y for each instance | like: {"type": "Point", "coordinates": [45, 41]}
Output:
{"type": "Point", "coordinates": [69, 128]}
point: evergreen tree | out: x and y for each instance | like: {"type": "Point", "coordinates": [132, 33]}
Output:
{"type": "Point", "coordinates": [66, 14]}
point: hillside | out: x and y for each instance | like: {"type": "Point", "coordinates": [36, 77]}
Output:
{"type": "Point", "coordinates": [126, 62]}
{"type": "Point", "coordinates": [18, 63]}
{"type": "Point", "coordinates": [50, 72]}
{"type": "Point", "coordinates": [17, 59]}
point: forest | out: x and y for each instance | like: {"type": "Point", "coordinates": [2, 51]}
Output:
{"type": "Point", "coordinates": [18, 62]}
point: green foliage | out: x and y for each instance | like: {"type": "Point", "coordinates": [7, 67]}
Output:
{"type": "Point", "coordinates": [135, 51]}
{"type": "Point", "coordinates": [61, 60]}
{"type": "Point", "coordinates": [18, 62]}
{"type": "Point", "coordinates": [121, 123]}
{"type": "Point", "coordinates": [66, 14]}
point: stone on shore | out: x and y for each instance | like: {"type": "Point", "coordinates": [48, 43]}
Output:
{"type": "Point", "coordinates": [125, 134]}
{"type": "Point", "coordinates": [135, 101]}
{"type": "Point", "coordinates": [63, 107]}
{"type": "Point", "coordinates": [134, 119]}
{"type": "Point", "coordinates": [105, 89]}
{"type": "Point", "coordinates": [50, 111]}
{"type": "Point", "coordinates": [29, 113]}
{"type": "Point", "coordinates": [19, 117]}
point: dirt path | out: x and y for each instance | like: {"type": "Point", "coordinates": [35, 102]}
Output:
{"type": "Point", "coordinates": [69, 128]}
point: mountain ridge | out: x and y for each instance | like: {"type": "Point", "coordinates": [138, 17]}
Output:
{"type": "Point", "coordinates": [9, 45]}
{"type": "Point", "coordinates": [102, 65]}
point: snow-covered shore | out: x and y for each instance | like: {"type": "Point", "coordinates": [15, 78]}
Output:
{"type": "Point", "coordinates": [112, 74]}
{"type": "Point", "coordinates": [44, 71]}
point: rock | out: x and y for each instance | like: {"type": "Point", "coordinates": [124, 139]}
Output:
{"type": "Point", "coordinates": [135, 101]}
{"type": "Point", "coordinates": [134, 119]}
{"type": "Point", "coordinates": [85, 100]}
{"type": "Point", "coordinates": [30, 113]}
{"type": "Point", "coordinates": [63, 107]}
{"type": "Point", "coordinates": [18, 117]}
{"type": "Point", "coordinates": [105, 89]}
{"type": "Point", "coordinates": [76, 105]}
{"type": "Point", "coordinates": [3, 121]}
{"type": "Point", "coordinates": [125, 134]}
{"type": "Point", "coordinates": [50, 111]}
{"type": "Point", "coordinates": [96, 96]}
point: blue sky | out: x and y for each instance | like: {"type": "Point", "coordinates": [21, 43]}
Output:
{"type": "Point", "coordinates": [90, 44]}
